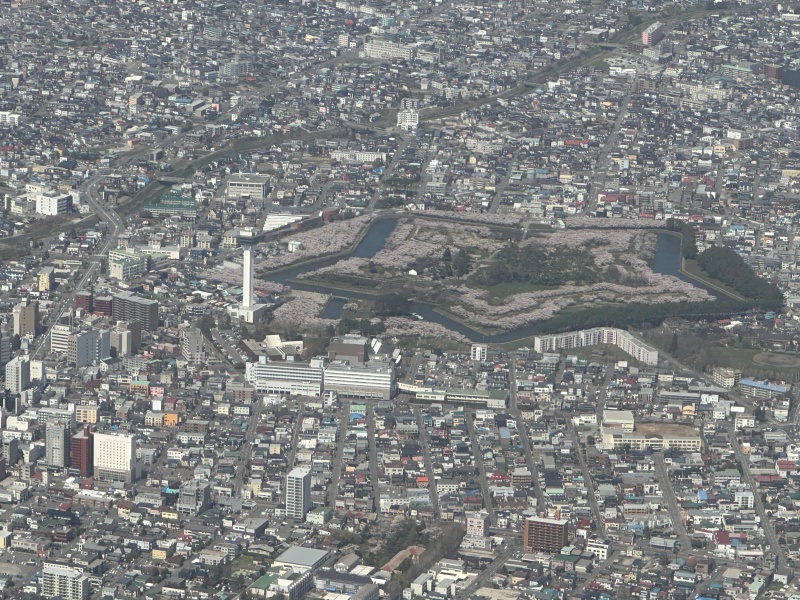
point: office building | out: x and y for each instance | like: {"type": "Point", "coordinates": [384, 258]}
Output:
{"type": "Point", "coordinates": [249, 310]}
{"type": "Point", "coordinates": [545, 535]}
{"type": "Point", "coordinates": [85, 301]}
{"type": "Point", "coordinates": [26, 318]}
{"type": "Point", "coordinates": [129, 307]}
{"type": "Point", "coordinates": [11, 453]}
{"type": "Point", "coordinates": [478, 525]}
{"type": "Point", "coordinates": [375, 380]}
{"type": "Point", "coordinates": [248, 185]}
{"type": "Point", "coordinates": [81, 454]}
{"type": "Point", "coordinates": [626, 342]}
{"type": "Point", "coordinates": [192, 348]}
{"type": "Point", "coordinates": [5, 344]}
{"type": "Point", "coordinates": [653, 34]}
{"type": "Point", "coordinates": [88, 347]}
{"type": "Point", "coordinates": [194, 497]}
{"type": "Point", "coordinates": [115, 457]}
{"type": "Point", "coordinates": [298, 493]}
{"type": "Point", "coordinates": [57, 444]}
{"type": "Point", "coordinates": [126, 337]}
{"type": "Point", "coordinates": [59, 337]}
{"type": "Point", "coordinates": [18, 374]}
{"type": "Point", "coordinates": [298, 378]}
{"type": "Point", "coordinates": [350, 347]}
{"type": "Point", "coordinates": [64, 582]}
{"type": "Point", "coordinates": [103, 306]}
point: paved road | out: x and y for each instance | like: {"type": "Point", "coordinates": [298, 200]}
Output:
{"type": "Point", "coordinates": [338, 463]}
{"type": "Point", "coordinates": [766, 522]}
{"type": "Point", "coordinates": [482, 475]}
{"type": "Point", "coordinates": [426, 452]}
{"type": "Point", "coordinates": [484, 576]}
{"type": "Point", "coordinates": [246, 451]}
{"type": "Point", "coordinates": [522, 430]}
{"type": "Point", "coordinates": [587, 478]}
{"type": "Point", "coordinates": [668, 494]}
{"type": "Point", "coordinates": [374, 474]}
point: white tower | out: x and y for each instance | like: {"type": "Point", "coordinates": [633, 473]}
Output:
{"type": "Point", "coordinates": [247, 275]}
{"type": "Point", "coordinates": [249, 311]}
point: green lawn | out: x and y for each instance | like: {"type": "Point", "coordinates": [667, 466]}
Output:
{"type": "Point", "coordinates": [501, 291]}
{"type": "Point", "coordinates": [742, 358]}
{"type": "Point", "coordinates": [240, 562]}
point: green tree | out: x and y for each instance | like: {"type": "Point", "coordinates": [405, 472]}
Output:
{"type": "Point", "coordinates": [461, 263]}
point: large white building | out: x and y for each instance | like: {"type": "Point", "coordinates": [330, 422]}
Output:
{"type": "Point", "coordinates": [626, 342]}
{"type": "Point", "coordinates": [18, 374]}
{"type": "Point", "coordinates": [303, 379]}
{"type": "Point", "coordinates": [115, 457]}
{"type": "Point", "coordinates": [298, 493]}
{"type": "Point", "coordinates": [51, 202]}
{"type": "Point", "coordinates": [64, 582]}
{"type": "Point", "coordinates": [88, 347]}
{"type": "Point", "coordinates": [373, 380]}
{"type": "Point", "coordinates": [388, 49]}
{"type": "Point", "coordinates": [248, 184]}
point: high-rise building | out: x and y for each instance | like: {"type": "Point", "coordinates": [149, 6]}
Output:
{"type": "Point", "coordinates": [129, 307]}
{"type": "Point", "coordinates": [47, 279]}
{"type": "Point", "coordinates": [82, 451]}
{"type": "Point", "coordinates": [26, 318]}
{"type": "Point", "coordinates": [57, 444]}
{"type": "Point", "coordinates": [103, 306]}
{"type": "Point", "coordinates": [59, 337]}
{"type": "Point", "coordinates": [5, 344]}
{"type": "Point", "coordinates": [115, 457]}
{"type": "Point", "coordinates": [11, 453]}
{"type": "Point", "coordinates": [545, 535]}
{"type": "Point", "coordinates": [85, 300]}
{"type": "Point", "coordinates": [64, 582]}
{"type": "Point", "coordinates": [653, 34]}
{"type": "Point", "coordinates": [18, 374]}
{"type": "Point", "coordinates": [479, 352]}
{"type": "Point", "coordinates": [126, 337]}
{"type": "Point", "coordinates": [298, 493]}
{"type": "Point", "coordinates": [192, 345]}
{"type": "Point", "coordinates": [88, 346]}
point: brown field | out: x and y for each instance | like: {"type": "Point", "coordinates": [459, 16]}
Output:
{"type": "Point", "coordinates": [772, 359]}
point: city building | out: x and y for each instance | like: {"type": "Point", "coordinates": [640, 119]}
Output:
{"type": "Point", "coordinates": [762, 389]}
{"type": "Point", "coordinates": [47, 279]}
{"type": "Point", "coordinates": [727, 378]}
{"type": "Point", "coordinates": [298, 493]}
{"type": "Point", "coordinates": [64, 582]}
{"type": "Point", "coordinates": [88, 347]}
{"type": "Point", "coordinates": [18, 374]}
{"type": "Point", "coordinates": [26, 318]}
{"type": "Point", "coordinates": [82, 451]}
{"type": "Point", "coordinates": [545, 535]}
{"type": "Point", "coordinates": [653, 34]}
{"type": "Point", "coordinates": [192, 348]}
{"type": "Point", "coordinates": [59, 337]}
{"type": "Point", "coordinates": [57, 444]}
{"type": "Point", "coordinates": [479, 352]}
{"type": "Point", "coordinates": [194, 497]}
{"type": "Point", "coordinates": [130, 307]}
{"type": "Point", "coordinates": [379, 47]}
{"type": "Point", "coordinates": [408, 119]}
{"type": "Point", "coordinates": [115, 457]}
{"type": "Point", "coordinates": [652, 436]}
{"type": "Point", "coordinates": [85, 300]}
{"type": "Point", "coordinates": [298, 378]}
{"type": "Point", "coordinates": [51, 203]}
{"type": "Point", "coordinates": [251, 185]}
{"type": "Point", "coordinates": [375, 380]}
{"type": "Point", "coordinates": [625, 341]}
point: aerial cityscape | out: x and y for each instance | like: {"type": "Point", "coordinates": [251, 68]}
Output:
{"type": "Point", "coordinates": [400, 299]}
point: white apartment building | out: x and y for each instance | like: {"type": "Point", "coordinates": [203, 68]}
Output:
{"type": "Point", "coordinates": [387, 49]}
{"type": "Point", "coordinates": [59, 338]}
{"type": "Point", "coordinates": [298, 493]}
{"type": "Point", "coordinates": [51, 202]}
{"type": "Point", "coordinates": [64, 582]}
{"type": "Point", "coordinates": [9, 119]}
{"type": "Point", "coordinates": [408, 119]}
{"type": "Point", "coordinates": [479, 352]}
{"type": "Point", "coordinates": [115, 457]}
{"type": "Point", "coordinates": [373, 380]}
{"type": "Point", "coordinates": [626, 342]}
{"type": "Point", "coordinates": [286, 377]}
{"type": "Point", "coordinates": [18, 374]}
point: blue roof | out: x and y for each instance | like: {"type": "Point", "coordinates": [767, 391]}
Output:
{"type": "Point", "coordinates": [763, 385]}
{"type": "Point", "coordinates": [702, 495]}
